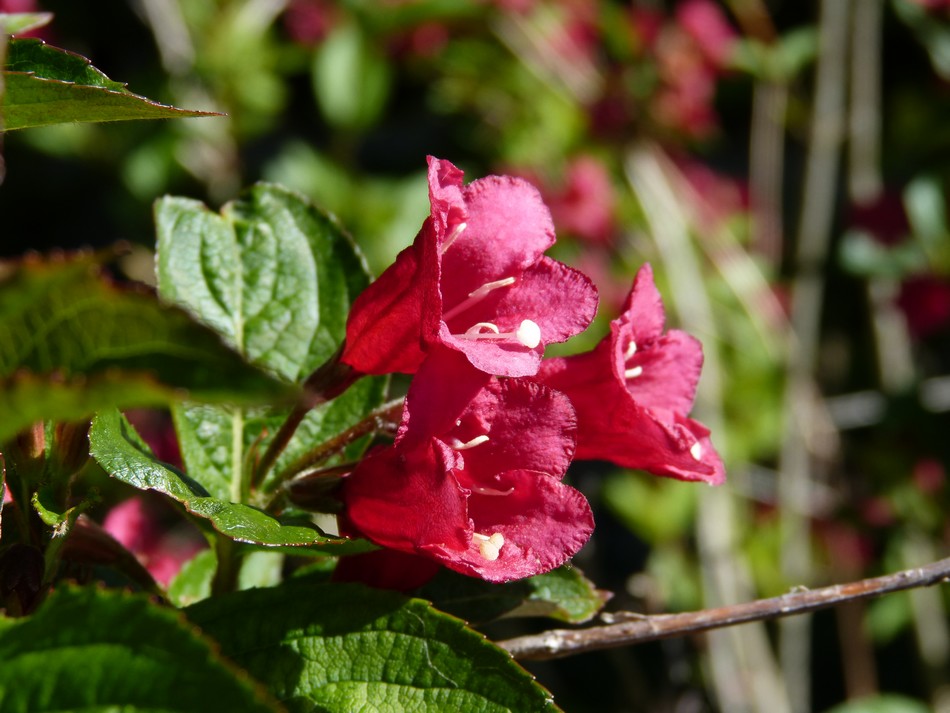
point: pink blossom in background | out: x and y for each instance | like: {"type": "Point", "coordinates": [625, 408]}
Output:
{"type": "Point", "coordinates": [17, 6]}
{"type": "Point", "coordinates": [684, 101]}
{"type": "Point", "coordinates": [924, 298]}
{"type": "Point", "coordinates": [932, 5]}
{"type": "Point", "coordinates": [584, 205]}
{"type": "Point", "coordinates": [929, 476]}
{"type": "Point", "coordinates": [707, 26]}
{"type": "Point", "coordinates": [717, 197]}
{"type": "Point", "coordinates": [598, 266]}
{"type": "Point", "coordinates": [849, 550]}
{"type": "Point", "coordinates": [925, 302]}
{"type": "Point", "coordinates": [427, 39]}
{"type": "Point", "coordinates": [877, 511]}
{"type": "Point", "coordinates": [646, 23]}
{"type": "Point", "coordinates": [157, 430]}
{"type": "Point", "coordinates": [884, 218]}
{"type": "Point", "coordinates": [308, 22]}
{"type": "Point", "coordinates": [162, 550]}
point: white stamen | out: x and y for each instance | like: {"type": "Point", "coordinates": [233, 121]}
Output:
{"type": "Point", "coordinates": [527, 335]}
{"type": "Point", "coordinates": [475, 331]}
{"type": "Point", "coordinates": [459, 229]}
{"type": "Point", "coordinates": [696, 450]}
{"type": "Point", "coordinates": [489, 547]}
{"type": "Point", "coordinates": [633, 372]}
{"type": "Point", "coordinates": [492, 491]}
{"type": "Point", "coordinates": [631, 350]}
{"type": "Point", "coordinates": [477, 295]}
{"type": "Point", "coordinates": [460, 446]}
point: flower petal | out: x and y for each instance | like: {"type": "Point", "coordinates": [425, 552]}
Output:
{"type": "Point", "coordinates": [528, 426]}
{"type": "Point", "coordinates": [543, 522]}
{"type": "Point", "coordinates": [508, 227]}
{"type": "Point", "coordinates": [399, 498]}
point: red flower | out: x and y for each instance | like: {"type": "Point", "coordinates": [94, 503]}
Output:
{"type": "Point", "coordinates": [474, 487]}
{"type": "Point", "coordinates": [474, 280]}
{"type": "Point", "coordinates": [633, 391]}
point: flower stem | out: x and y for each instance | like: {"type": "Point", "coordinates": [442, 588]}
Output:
{"type": "Point", "coordinates": [329, 380]}
{"type": "Point", "coordinates": [377, 420]}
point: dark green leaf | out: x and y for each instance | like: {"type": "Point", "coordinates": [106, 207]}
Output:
{"type": "Point", "coordinates": [71, 343]}
{"type": "Point", "coordinates": [122, 453]}
{"type": "Point", "coordinates": [563, 594]}
{"type": "Point", "coordinates": [276, 277]}
{"type": "Point", "coordinates": [46, 85]}
{"type": "Point", "coordinates": [346, 648]}
{"type": "Point", "coordinates": [15, 23]}
{"type": "Point", "coordinates": [89, 649]}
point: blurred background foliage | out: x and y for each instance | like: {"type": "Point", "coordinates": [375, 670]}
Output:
{"type": "Point", "coordinates": [781, 164]}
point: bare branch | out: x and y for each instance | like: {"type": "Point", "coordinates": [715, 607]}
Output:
{"type": "Point", "coordinates": [638, 628]}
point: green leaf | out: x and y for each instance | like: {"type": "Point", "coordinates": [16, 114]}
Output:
{"type": "Point", "coordinates": [90, 649]}
{"type": "Point", "coordinates": [193, 581]}
{"type": "Point", "coordinates": [124, 455]}
{"type": "Point", "coordinates": [276, 277]}
{"type": "Point", "coordinates": [46, 85]}
{"type": "Point", "coordinates": [563, 594]}
{"type": "Point", "coordinates": [347, 647]}
{"type": "Point", "coordinates": [71, 343]}
{"type": "Point", "coordinates": [18, 22]}
{"type": "Point", "coordinates": [351, 78]}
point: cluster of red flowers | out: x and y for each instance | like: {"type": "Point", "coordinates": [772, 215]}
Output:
{"type": "Point", "coordinates": [473, 481]}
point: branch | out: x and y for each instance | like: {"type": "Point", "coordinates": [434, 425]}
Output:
{"type": "Point", "coordinates": [637, 628]}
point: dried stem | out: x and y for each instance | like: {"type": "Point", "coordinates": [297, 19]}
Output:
{"type": "Point", "coordinates": [798, 466]}
{"type": "Point", "coordinates": [638, 629]}
{"type": "Point", "coordinates": [767, 138]}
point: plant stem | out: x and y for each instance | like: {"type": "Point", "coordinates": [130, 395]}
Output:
{"type": "Point", "coordinates": [637, 628]}
{"type": "Point", "coordinates": [377, 420]}
{"type": "Point", "coordinates": [329, 380]}
{"type": "Point", "coordinates": [226, 573]}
